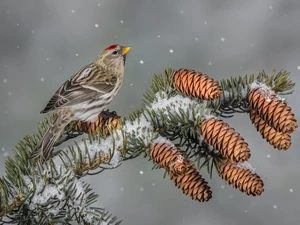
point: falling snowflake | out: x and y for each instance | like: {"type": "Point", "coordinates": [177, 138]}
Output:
{"type": "Point", "coordinates": [131, 84]}
{"type": "Point", "coordinates": [48, 59]}
{"type": "Point", "coordinates": [121, 21]}
{"type": "Point", "coordinates": [3, 149]}
{"type": "Point", "coordinates": [42, 79]}
{"type": "Point", "coordinates": [268, 156]}
{"type": "Point", "coordinates": [4, 81]}
{"type": "Point", "coordinates": [99, 4]}
{"type": "Point", "coordinates": [76, 54]}
{"type": "Point", "coordinates": [222, 39]}
{"type": "Point", "coordinates": [171, 50]}
{"type": "Point", "coordinates": [141, 189]}
{"type": "Point", "coordinates": [33, 31]}
{"type": "Point", "coordinates": [121, 189]}
{"type": "Point", "coordinates": [153, 184]}
{"type": "Point", "coordinates": [196, 39]}
{"type": "Point", "coordinates": [141, 62]}
{"type": "Point", "coordinates": [205, 22]}
{"type": "Point", "coordinates": [222, 186]}
{"type": "Point", "coordinates": [181, 12]}
{"type": "Point", "coordinates": [298, 67]}
{"type": "Point", "coordinates": [275, 206]}
{"type": "Point", "coordinates": [9, 93]}
{"type": "Point", "coordinates": [141, 172]}
{"type": "Point", "coordinates": [158, 36]}
{"type": "Point", "coordinates": [209, 63]}
{"type": "Point", "coordinates": [73, 11]}
{"type": "Point", "coordinates": [270, 7]}
{"type": "Point", "coordinates": [246, 211]}
{"type": "Point", "coordinates": [291, 190]}
{"type": "Point", "coordinates": [18, 24]}
{"type": "Point", "coordinates": [96, 25]}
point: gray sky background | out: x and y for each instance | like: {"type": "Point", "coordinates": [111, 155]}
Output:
{"type": "Point", "coordinates": [42, 43]}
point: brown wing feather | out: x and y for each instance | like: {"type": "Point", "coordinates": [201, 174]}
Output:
{"type": "Point", "coordinates": [103, 85]}
{"type": "Point", "coordinates": [62, 96]}
{"type": "Point", "coordinates": [82, 88]}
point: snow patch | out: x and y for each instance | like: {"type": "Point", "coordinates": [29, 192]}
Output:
{"type": "Point", "coordinates": [163, 140]}
{"type": "Point", "coordinates": [266, 91]}
{"type": "Point", "coordinates": [105, 148]}
{"type": "Point", "coordinates": [175, 105]}
{"type": "Point", "coordinates": [246, 165]}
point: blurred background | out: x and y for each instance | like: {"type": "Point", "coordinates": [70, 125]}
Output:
{"type": "Point", "coordinates": [43, 42]}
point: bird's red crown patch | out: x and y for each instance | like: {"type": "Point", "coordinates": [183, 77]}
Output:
{"type": "Point", "coordinates": [112, 47]}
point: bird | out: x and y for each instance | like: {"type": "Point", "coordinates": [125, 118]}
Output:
{"type": "Point", "coordinates": [84, 96]}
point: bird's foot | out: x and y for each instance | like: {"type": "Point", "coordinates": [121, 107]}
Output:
{"type": "Point", "coordinates": [106, 115]}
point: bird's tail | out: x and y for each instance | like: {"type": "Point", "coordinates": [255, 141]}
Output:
{"type": "Point", "coordinates": [43, 149]}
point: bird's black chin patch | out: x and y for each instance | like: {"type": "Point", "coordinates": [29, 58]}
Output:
{"type": "Point", "coordinates": [124, 59]}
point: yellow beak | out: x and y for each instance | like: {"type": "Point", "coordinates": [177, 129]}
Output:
{"type": "Point", "coordinates": [125, 50]}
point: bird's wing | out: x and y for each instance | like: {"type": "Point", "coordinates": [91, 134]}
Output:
{"type": "Point", "coordinates": [89, 82]}
{"type": "Point", "coordinates": [100, 80]}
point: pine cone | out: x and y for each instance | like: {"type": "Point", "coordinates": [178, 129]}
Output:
{"type": "Point", "coordinates": [92, 127]}
{"type": "Point", "coordinates": [169, 158]}
{"type": "Point", "coordinates": [191, 183]}
{"type": "Point", "coordinates": [196, 84]}
{"type": "Point", "coordinates": [279, 140]}
{"type": "Point", "coordinates": [225, 139]}
{"type": "Point", "coordinates": [241, 177]}
{"type": "Point", "coordinates": [272, 110]}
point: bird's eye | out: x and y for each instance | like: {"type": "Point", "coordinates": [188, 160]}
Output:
{"type": "Point", "coordinates": [115, 52]}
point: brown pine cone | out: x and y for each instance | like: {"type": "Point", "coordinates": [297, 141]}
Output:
{"type": "Point", "coordinates": [191, 183]}
{"type": "Point", "coordinates": [272, 110]}
{"type": "Point", "coordinates": [169, 158]}
{"type": "Point", "coordinates": [241, 177]}
{"type": "Point", "coordinates": [279, 140]}
{"type": "Point", "coordinates": [92, 127]}
{"type": "Point", "coordinates": [225, 139]}
{"type": "Point", "coordinates": [196, 84]}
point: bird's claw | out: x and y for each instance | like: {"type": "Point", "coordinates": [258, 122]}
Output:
{"type": "Point", "coordinates": [106, 115]}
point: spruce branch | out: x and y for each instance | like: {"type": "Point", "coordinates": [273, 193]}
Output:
{"type": "Point", "coordinates": [279, 82]}
{"type": "Point", "coordinates": [234, 98]}
{"type": "Point", "coordinates": [53, 190]}
{"type": "Point", "coordinates": [177, 128]}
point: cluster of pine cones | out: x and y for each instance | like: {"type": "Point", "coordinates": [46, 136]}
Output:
{"type": "Point", "coordinates": [271, 116]}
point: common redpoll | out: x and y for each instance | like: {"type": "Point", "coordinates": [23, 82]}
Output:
{"type": "Point", "coordinates": [84, 95]}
